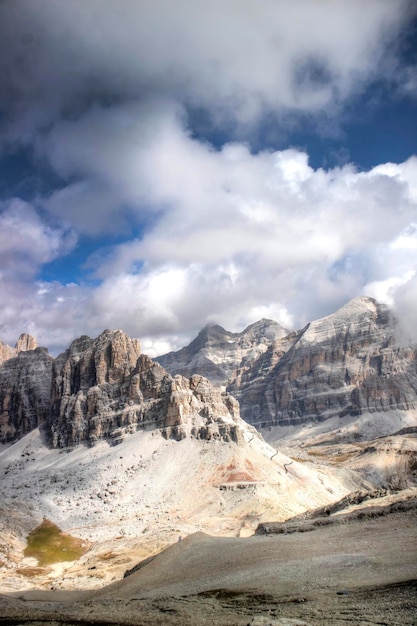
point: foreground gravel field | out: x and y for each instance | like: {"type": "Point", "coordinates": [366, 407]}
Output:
{"type": "Point", "coordinates": [360, 571]}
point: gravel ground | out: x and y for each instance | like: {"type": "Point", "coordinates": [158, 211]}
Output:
{"type": "Point", "coordinates": [360, 572]}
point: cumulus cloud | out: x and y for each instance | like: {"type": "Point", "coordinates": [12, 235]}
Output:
{"type": "Point", "coordinates": [242, 233]}
{"type": "Point", "coordinates": [397, 282]}
{"type": "Point", "coordinates": [26, 242]}
{"type": "Point", "coordinates": [405, 305]}
{"type": "Point", "coordinates": [113, 96]}
{"type": "Point", "coordinates": [233, 59]}
{"type": "Point", "coordinates": [245, 235]}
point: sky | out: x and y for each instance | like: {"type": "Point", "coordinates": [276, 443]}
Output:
{"type": "Point", "coordinates": [165, 165]}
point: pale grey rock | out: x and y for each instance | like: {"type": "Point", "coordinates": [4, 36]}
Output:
{"type": "Point", "coordinates": [347, 363]}
{"type": "Point", "coordinates": [104, 388]}
{"type": "Point", "coordinates": [24, 343]}
{"type": "Point", "coordinates": [220, 355]}
{"type": "Point", "coordinates": [25, 393]}
{"type": "Point", "coordinates": [6, 352]}
{"type": "Point", "coordinates": [90, 382]}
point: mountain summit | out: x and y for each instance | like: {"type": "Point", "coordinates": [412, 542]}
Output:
{"type": "Point", "coordinates": [218, 354]}
{"type": "Point", "coordinates": [344, 364]}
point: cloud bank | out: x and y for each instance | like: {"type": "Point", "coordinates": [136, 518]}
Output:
{"type": "Point", "coordinates": [118, 102]}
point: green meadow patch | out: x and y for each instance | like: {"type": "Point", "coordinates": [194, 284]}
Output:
{"type": "Point", "coordinates": [48, 544]}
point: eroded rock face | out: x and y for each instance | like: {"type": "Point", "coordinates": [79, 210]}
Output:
{"type": "Point", "coordinates": [24, 343]}
{"type": "Point", "coordinates": [219, 355]}
{"type": "Point", "coordinates": [25, 392]}
{"type": "Point", "coordinates": [344, 364]}
{"type": "Point", "coordinates": [6, 352]}
{"type": "Point", "coordinates": [105, 388]}
{"type": "Point", "coordinates": [89, 382]}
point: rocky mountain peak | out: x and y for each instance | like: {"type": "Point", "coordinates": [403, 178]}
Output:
{"type": "Point", "coordinates": [362, 315]}
{"type": "Point", "coordinates": [25, 391]}
{"type": "Point", "coordinates": [26, 342]}
{"type": "Point", "coordinates": [346, 363]}
{"type": "Point", "coordinates": [104, 388]}
{"type": "Point", "coordinates": [107, 359]}
{"type": "Point", "coordinates": [211, 334]}
{"type": "Point", "coordinates": [269, 329]}
{"type": "Point", "coordinates": [218, 354]}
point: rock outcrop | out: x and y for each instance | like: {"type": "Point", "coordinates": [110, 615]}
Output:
{"type": "Point", "coordinates": [25, 392]}
{"type": "Point", "coordinates": [89, 382]}
{"type": "Point", "coordinates": [348, 363]}
{"type": "Point", "coordinates": [24, 343]}
{"type": "Point", "coordinates": [219, 354]}
{"type": "Point", "coordinates": [6, 352]}
{"type": "Point", "coordinates": [104, 388]}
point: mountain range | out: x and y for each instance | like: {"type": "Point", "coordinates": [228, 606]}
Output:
{"type": "Point", "coordinates": [346, 364]}
{"type": "Point", "coordinates": [225, 436]}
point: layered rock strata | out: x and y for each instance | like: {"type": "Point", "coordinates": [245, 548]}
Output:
{"type": "Point", "coordinates": [345, 364]}
{"type": "Point", "coordinates": [25, 392]}
{"type": "Point", "coordinates": [219, 354]}
{"type": "Point", "coordinates": [105, 388]}
{"type": "Point", "coordinates": [24, 343]}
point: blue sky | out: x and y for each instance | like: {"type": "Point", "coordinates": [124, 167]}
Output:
{"type": "Point", "coordinates": [166, 165]}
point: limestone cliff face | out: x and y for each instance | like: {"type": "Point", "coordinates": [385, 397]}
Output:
{"type": "Point", "coordinates": [6, 352]}
{"type": "Point", "coordinates": [344, 364]}
{"type": "Point", "coordinates": [24, 343]}
{"type": "Point", "coordinates": [89, 381]}
{"type": "Point", "coordinates": [105, 388]}
{"type": "Point", "coordinates": [219, 355]}
{"type": "Point", "coordinates": [25, 392]}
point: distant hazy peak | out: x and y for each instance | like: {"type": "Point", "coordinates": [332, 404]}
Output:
{"type": "Point", "coordinates": [360, 308]}
{"type": "Point", "coordinates": [269, 328]}
{"type": "Point", "coordinates": [358, 305]}
{"type": "Point", "coordinates": [6, 352]}
{"type": "Point", "coordinates": [217, 353]}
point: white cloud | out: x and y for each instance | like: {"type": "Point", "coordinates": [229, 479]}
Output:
{"type": "Point", "coordinates": [106, 91]}
{"type": "Point", "coordinates": [397, 282]}
{"type": "Point", "coordinates": [234, 59]}
{"type": "Point", "coordinates": [26, 242]}
{"type": "Point", "coordinates": [230, 232]}
{"type": "Point", "coordinates": [405, 306]}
